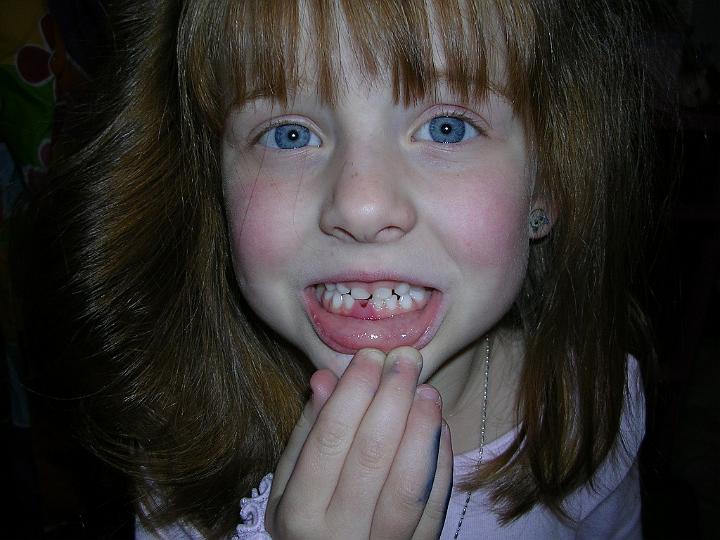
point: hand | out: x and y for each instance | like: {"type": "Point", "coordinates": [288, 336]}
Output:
{"type": "Point", "coordinates": [369, 458]}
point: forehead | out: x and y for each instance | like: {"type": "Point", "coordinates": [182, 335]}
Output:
{"type": "Point", "coordinates": [281, 48]}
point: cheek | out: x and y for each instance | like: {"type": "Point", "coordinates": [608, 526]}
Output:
{"type": "Point", "coordinates": [496, 230]}
{"type": "Point", "coordinates": [263, 225]}
{"type": "Point", "coordinates": [488, 224]}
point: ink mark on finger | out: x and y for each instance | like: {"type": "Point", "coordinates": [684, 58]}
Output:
{"type": "Point", "coordinates": [435, 452]}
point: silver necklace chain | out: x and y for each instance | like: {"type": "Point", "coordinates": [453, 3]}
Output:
{"type": "Point", "coordinates": [483, 422]}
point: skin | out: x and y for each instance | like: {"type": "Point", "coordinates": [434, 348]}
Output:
{"type": "Point", "coordinates": [372, 197]}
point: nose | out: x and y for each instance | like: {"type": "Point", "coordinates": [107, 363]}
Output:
{"type": "Point", "coordinates": [369, 201]}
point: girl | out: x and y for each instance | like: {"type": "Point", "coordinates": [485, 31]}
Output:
{"type": "Point", "coordinates": [432, 204]}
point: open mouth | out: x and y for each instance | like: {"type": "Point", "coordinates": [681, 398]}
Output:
{"type": "Point", "coordinates": [349, 316]}
{"type": "Point", "coordinates": [371, 301]}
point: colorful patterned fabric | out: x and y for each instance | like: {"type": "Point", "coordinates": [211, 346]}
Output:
{"type": "Point", "coordinates": [37, 74]}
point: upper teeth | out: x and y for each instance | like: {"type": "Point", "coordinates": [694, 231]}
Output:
{"type": "Point", "coordinates": [402, 295]}
{"type": "Point", "coordinates": [382, 293]}
{"type": "Point", "coordinates": [358, 293]}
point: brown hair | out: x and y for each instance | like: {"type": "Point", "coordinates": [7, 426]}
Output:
{"type": "Point", "coordinates": [194, 393]}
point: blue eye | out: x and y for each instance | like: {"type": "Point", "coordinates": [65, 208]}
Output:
{"type": "Point", "coordinates": [289, 137]}
{"type": "Point", "coordinates": [446, 130]}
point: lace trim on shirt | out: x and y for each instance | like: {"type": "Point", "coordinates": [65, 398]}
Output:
{"type": "Point", "coordinates": [252, 513]}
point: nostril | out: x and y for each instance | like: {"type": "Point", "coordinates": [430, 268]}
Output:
{"type": "Point", "coordinates": [343, 234]}
{"type": "Point", "coordinates": [389, 234]}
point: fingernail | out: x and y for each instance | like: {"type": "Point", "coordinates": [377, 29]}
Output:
{"type": "Point", "coordinates": [405, 356]}
{"type": "Point", "coordinates": [429, 393]}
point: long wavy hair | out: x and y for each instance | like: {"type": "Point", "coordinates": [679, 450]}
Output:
{"type": "Point", "coordinates": [186, 390]}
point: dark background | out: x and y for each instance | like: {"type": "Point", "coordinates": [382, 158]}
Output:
{"type": "Point", "coordinates": [55, 489]}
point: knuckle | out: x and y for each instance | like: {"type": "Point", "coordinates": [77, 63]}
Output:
{"type": "Point", "coordinates": [371, 454]}
{"type": "Point", "coordinates": [331, 438]}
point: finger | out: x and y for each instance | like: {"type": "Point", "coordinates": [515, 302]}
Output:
{"type": "Point", "coordinates": [411, 479]}
{"type": "Point", "coordinates": [320, 462]}
{"type": "Point", "coordinates": [378, 437]}
{"type": "Point", "coordinates": [322, 383]}
{"type": "Point", "coordinates": [433, 517]}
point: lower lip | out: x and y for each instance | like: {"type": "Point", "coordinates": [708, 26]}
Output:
{"type": "Point", "coordinates": [347, 335]}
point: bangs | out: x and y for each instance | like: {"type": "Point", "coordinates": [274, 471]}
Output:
{"type": "Point", "coordinates": [262, 48]}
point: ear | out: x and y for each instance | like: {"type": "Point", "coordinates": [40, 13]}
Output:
{"type": "Point", "coordinates": [540, 218]}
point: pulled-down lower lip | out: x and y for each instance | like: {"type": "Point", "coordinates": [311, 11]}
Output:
{"type": "Point", "coordinates": [349, 333]}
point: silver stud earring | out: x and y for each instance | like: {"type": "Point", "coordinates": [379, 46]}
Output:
{"type": "Point", "coordinates": [538, 219]}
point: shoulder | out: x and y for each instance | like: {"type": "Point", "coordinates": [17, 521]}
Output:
{"type": "Point", "coordinates": [610, 502]}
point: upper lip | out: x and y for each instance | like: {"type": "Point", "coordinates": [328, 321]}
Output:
{"type": "Point", "coordinates": [375, 276]}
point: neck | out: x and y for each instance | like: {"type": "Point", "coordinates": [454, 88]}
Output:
{"type": "Point", "coordinates": [461, 382]}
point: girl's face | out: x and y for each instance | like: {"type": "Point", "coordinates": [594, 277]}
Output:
{"type": "Point", "coordinates": [374, 224]}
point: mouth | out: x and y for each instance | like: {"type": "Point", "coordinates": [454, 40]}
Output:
{"type": "Point", "coordinates": [352, 315]}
